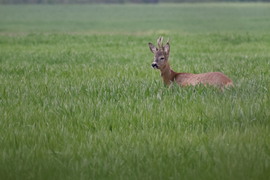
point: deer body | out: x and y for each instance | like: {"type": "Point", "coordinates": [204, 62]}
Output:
{"type": "Point", "coordinates": [161, 56]}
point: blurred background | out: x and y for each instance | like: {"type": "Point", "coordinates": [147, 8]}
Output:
{"type": "Point", "coordinates": [118, 1]}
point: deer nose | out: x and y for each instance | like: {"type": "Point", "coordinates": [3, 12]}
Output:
{"type": "Point", "coordinates": [154, 65]}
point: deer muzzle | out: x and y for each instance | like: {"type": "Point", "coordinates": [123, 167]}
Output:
{"type": "Point", "coordinates": [154, 65]}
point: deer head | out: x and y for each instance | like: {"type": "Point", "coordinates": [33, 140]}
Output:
{"type": "Point", "coordinates": [161, 53]}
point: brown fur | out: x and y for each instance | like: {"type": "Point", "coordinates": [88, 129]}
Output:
{"type": "Point", "coordinates": [161, 57]}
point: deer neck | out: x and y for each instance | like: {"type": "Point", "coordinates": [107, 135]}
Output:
{"type": "Point", "coordinates": [167, 74]}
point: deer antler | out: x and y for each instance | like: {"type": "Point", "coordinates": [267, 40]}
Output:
{"type": "Point", "coordinates": [168, 40]}
{"type": "Point", "coordinates": [159, 42]}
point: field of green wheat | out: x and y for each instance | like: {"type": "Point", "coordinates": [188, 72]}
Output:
{"type": "Point", "coordinates": [79, 99]}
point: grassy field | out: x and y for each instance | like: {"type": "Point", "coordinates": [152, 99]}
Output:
{"type": "Point", "coordinates": [79, 99]}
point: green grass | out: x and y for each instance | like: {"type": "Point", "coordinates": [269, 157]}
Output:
{"type": "Point", "coordinates": [79, 99]}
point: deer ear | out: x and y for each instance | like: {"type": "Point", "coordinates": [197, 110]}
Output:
{"type": "Point", "coordinates": [153, 49]}
{"type": "Point", "coordinates": [167, 48]}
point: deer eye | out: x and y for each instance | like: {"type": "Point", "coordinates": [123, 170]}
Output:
{"type": "Point", "coordinates": [162, 58]}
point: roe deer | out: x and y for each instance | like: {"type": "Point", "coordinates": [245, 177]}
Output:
{"type": "Point", "coordinates": [161, 57]}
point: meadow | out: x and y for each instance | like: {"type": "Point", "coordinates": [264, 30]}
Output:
{"type": "Point", "coordinates": [79, 99]}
